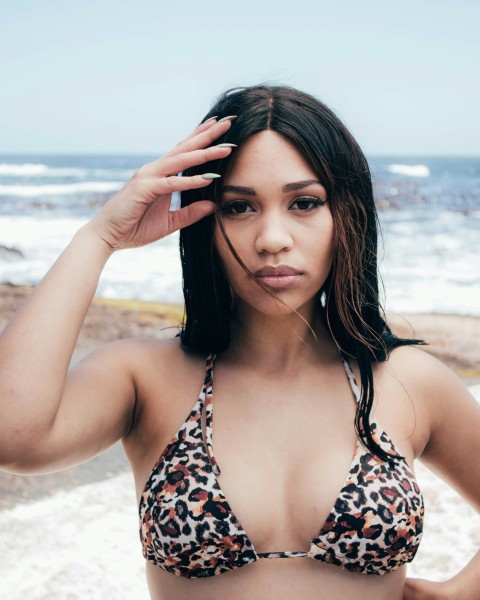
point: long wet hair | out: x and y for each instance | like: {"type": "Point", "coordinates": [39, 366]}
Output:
{"type": "Point", "coordinates": [348, 302]}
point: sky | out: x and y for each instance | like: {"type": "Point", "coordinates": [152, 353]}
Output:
{"type": "Point", "coordinates": [135, 77]}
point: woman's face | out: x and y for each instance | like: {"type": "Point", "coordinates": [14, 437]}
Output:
{"type": "Point", "coordinates": [277, 217]}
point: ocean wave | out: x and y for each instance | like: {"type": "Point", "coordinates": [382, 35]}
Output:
{"type": "Point", "coordinates": [57, 189]}
{"type": "Point", "coordinates": [39, 170]}
{"type": "Point", "coordinates": [409, 170]}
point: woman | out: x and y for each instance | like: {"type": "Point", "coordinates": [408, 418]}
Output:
{"type": "Point", "coordinates": [278, 246]}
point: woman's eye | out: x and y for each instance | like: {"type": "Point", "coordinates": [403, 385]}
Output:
{"type": "Point", "coordinates": [239, 207]}
{"type": "Point", "coordinates": [307, 203]}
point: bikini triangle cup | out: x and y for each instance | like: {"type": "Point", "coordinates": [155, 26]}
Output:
{"type": "Point", "coordinates": [188, 528]}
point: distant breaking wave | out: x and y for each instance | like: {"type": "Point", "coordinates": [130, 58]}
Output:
{"type": "Point", "coordinates": [38, 170]}
{"type": "Point", "coordinates": [409, 170]}
{"type": "Point", "coordinates": [31, 191]}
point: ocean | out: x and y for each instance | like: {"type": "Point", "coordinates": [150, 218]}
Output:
{"type": "Point", "coordinates": [429, 209]}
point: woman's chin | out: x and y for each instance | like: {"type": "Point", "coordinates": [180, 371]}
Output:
{"type": "Point", "coordinates": [276, 307]}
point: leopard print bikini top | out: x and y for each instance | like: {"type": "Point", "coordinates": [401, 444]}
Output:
{"type": "Point", "coordinates": [188, 528]}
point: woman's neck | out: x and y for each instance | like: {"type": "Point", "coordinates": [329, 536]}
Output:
{"type": "Point", "coordinates": [279, 342]}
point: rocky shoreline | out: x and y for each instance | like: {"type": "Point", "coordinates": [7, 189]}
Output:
{"type": "Point", "coordinates": [454, 339]}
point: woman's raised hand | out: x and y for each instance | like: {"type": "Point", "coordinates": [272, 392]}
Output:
{"type": "Point", "coordinates": [140, 212]}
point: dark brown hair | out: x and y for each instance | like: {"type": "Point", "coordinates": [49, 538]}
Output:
{"type": "Point", "coordinates": [350, 309]}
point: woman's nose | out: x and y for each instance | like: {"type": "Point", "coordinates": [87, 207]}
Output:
{"type": "Point", "coordinates": [273, 234]}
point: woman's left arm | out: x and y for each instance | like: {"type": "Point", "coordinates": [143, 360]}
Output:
{"type": "Point", "coordinates": [453, 452]}
{"type": "Point", "coordinates": [464, 586]}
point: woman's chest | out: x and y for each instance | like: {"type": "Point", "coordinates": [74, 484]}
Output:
{"type": "Point", "coordinates": [264, 466]}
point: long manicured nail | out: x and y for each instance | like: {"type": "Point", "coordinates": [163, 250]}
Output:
{"type": "Point", "coordinates": [229, 118]}
{"type": "Point", "coordinates": [210, 119]}
{"type": "Point", "coordinates": [210, 176]}
{"type": "Point", "coordinates": [226, 145]}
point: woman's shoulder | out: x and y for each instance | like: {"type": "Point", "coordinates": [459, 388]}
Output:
{"type": "Point", "coordinates": [429, 385]}
{"type": "Point", "coordinates": [152, 366]}
{"type": "Point", "coordinates": [427, 389]}
{"type": "Point", "coordinates": [164, 357]}
{"type": "Point", "coordinates": [419, 369]}
{"type": "Point", "coordinates": [168, 381]}
{"type": "Point", "coordinates": [448, 414]}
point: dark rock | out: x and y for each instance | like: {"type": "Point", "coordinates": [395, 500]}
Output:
{"type": "Point", "coordinates": [10, 253]}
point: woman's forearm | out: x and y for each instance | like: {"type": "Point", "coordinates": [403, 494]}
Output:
{"type": "Point", "coordinates": [37, 345]}
{"type": "Point", "coordinates": [466, 584]}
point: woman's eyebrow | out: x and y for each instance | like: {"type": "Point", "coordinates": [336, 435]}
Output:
{"type": "Point", "coordinates": [289, 187]}
{"type": "Point", "coordinates": [239, 189]}
{"type": "Point", "coordinates": [298, 185]}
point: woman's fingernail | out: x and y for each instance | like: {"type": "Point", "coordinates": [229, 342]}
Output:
{"type": "Point", "coordinates": [226, 145]}
{"type": "Point", "coordinates": [230, 118]}
{"type": "Point", "coordinates": [210, 119]}
{"type": "Point", "coordinates": [210, 176]}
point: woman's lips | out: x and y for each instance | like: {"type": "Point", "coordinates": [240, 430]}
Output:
{"type": "Point", "coordinates": [278, 277]}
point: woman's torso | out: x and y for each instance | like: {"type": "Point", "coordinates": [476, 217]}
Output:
{"type": "Point", "coordinates": [284, 440]}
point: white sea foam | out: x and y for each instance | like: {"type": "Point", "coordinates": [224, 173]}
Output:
{"type": "Point", "coordinates": [409, 170]}
{"type": "Point", "coordinates": [77, 544]}
{"type": "Point", "coordinates": [60, 189]}
{"type": "Point", "coordinates": [149, 273]}
{"type": "Point", "coordinates": [84, 543]}
{"type": "Point", "coordinates": [39, 170]}
{"type": "Point", "coordinates": [431, 264]}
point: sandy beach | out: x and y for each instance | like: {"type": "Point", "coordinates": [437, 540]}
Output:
{"type": "Point", "coordinates": [65, 513]}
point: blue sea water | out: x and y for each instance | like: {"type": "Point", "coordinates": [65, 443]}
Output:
{"type": "Point", "coordinates": [429, 209]}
